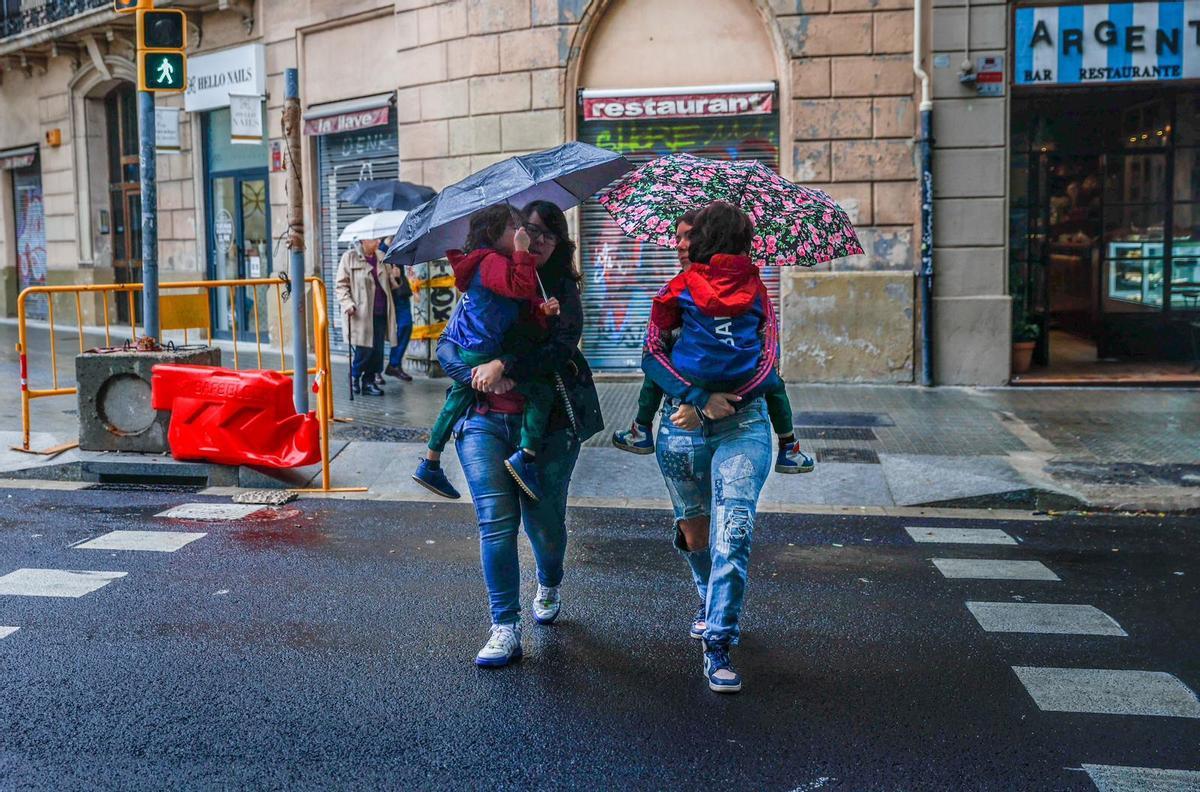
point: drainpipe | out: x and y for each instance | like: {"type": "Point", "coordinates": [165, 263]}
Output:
{"type": "Point", "coordinates": [924, 143]}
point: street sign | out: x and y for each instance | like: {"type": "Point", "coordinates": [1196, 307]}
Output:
{"type": "Point", "coordinates": [129, 6]}
{"type": "Point", "coordinates": [161, 70]}
{"type": "Point", "coordinates": [161, 40]}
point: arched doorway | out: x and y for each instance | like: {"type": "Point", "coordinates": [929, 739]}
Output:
{"type": "Point", "coordinates": [656, 78]}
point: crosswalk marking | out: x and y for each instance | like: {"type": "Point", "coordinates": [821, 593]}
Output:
{"type": "Point", "coordinates": [1108, 692]}
{"type": "Point", "coordinates": [1114, 778]}
{"type": "Point", "coordinates": [54, 582]}
{"type": "Point", "coordinates": [988, 536]}
{"type": "Point", "coordinates": [1044, 618]}
{"type": "Point", "coordinates": [149, 541]}
{"type": "Point", "coordinates": [211, 511]}
{"type": "Point", "coordinates": [988, 569]}
{"type": "Point", "coordinates": [7, 631]}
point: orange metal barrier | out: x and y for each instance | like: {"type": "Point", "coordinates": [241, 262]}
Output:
{"type": "Point", "coordinates": [184, 298]}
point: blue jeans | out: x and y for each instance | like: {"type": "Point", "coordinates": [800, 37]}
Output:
{"type": "Point", "coordinates": [484, 441]}
{"type": "Point", "coordinates": [404, 328]}
{"type": "Point", "coordinates": [718, 471]}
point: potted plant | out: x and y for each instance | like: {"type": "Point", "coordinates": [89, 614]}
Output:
{"type": "Point", "coordinates": [1025, 336]}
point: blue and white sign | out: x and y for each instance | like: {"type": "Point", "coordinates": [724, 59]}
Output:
{"type": "Point", "coordinates": [1106, 43]}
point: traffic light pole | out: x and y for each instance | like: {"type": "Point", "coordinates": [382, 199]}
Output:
{"type": "Point", "coordinates": [147, 167]}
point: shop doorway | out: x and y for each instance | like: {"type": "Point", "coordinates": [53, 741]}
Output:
{"type": "Point", "coordinates": [1106, 237]}
{"type": "Point", "coordinates": [124, 193]}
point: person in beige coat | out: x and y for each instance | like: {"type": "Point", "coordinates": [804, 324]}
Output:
{"type": "Point", "coordinates": [363, 285]}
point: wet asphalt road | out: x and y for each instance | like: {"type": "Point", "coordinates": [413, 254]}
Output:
{"type": "Point", "coordinates": [328, 645]}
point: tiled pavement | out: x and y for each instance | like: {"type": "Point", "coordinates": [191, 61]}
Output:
{"type": "Point", "coordinates": [904, 445]}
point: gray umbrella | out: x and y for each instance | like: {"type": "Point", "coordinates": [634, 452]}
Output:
{"type": "Point", "coordinates": [564, 175]}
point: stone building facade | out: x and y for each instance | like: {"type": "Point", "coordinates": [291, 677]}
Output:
{"type": "Point", "coordinates": [431, 90]}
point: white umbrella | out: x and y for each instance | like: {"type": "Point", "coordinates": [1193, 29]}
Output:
{"type": "Point", "coordinates": [376, 225]}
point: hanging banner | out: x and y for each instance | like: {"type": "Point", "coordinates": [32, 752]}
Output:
{"type": "Point", "coordinates": [166, 129]}
{"type": "Point", "coordinates": [347, 122]}
{"type": "Point", "coordinates": [245, 119]}
{"type": "Point", "coordinates": [1105, 43]}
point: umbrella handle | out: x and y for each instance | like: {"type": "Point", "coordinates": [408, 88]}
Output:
{"type": "Point", "coordinates": [540, 286]}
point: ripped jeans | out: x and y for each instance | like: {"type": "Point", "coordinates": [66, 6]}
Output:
{"type": "Point", "coordinates": [718, 471]}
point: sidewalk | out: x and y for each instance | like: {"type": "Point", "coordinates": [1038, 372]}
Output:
{"type": "Point", "coordinates": [875, 446]}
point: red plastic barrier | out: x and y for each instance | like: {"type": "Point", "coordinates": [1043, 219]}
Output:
{"type": "Point", "coordinates": [234, 417]}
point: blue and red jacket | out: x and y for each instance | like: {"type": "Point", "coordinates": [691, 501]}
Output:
{"type": "Point", "coordinates": [495, 289]}
{"type": "Point", "coordinates": [728, 340]}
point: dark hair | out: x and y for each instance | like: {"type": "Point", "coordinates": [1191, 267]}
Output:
{"type": "Point", "coordinates": [720, 227]}
{"type": "Point", "coordinates": [688, 218]}
{"type": "Point", "coordinates": [561, 263]}
{"type": "Point", "coordinates": [488, 225]}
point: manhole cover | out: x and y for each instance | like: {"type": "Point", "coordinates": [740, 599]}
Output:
{"type": "Point", "coordinates": [859, 455]}
{"type": "Point", "coordinates": [843, 419]}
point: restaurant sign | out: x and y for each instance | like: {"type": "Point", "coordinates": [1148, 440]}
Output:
{"type": "Point", "coordinates": [678, 105]}
{"type": "Point", "coordinates": [347, 122]}
{"type": "Point", "coordinates": [1106, 43]}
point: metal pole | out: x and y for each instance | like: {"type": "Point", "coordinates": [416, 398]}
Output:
{"type": "Point", "coordinates": [147, 167]}
{"type": "Point", "coordinates": [291, 131]}
{"type": "Point", "coordinates": [926, 248]}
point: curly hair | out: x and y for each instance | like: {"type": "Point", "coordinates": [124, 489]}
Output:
{"type": "Point", "coordinates": [561, 263]}
{"type": "Point", "coordinates": [488, 225]}
{"type": "Point", "coordinates": [719, 227]}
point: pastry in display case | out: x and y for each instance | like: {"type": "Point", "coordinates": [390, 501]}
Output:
{"type": "Point", "coordinates": [1135, 272]}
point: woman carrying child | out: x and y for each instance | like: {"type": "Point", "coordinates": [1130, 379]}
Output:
{"type": "Point", "coordinates": [491, 433]}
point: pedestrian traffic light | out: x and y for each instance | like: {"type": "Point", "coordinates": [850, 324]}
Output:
{"type": "Point", "coordinates": [161, 39]}
{"type": "Point", "coordinates": [129, 6]}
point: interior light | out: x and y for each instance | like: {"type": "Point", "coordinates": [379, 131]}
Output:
{"type": "Point", "coordinates": [1160, 133]}
{"type": "Point", "coordinates": [1133, 140]}
{"type": "Point", "coordinates": [1145, 135]}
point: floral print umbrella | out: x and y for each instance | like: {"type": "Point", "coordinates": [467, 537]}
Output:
{"type": "Point", "coordinates": [793, 225]}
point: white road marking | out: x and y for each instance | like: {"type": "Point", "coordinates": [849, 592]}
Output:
{"type": "Point", "coordinates": [1113, 778]}
{"type": "Point", "coordinates": [55, 582]}
{"type": "Point", "coordinates": [149, 541]}
{"type": "Point", "coordinates": [211, 511]}
{"type": "Point", "coordinates": [987, 569]}
{"type": "Point", "coordinates": [989, 536]}
{"type": "Point", "coordinates": [1108, 692]}
{"type": "Point", "coordinates": [7, 631]}
{"type": "Point", "coordinates": [1043, 618]}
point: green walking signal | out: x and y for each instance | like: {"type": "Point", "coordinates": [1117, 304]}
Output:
{"type": "Point", "coordinates": [162, 38]}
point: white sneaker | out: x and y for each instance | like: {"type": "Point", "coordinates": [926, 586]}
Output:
{"type": "Point", "coordinates": [503, 647]}
{"type": "Point", "coordinates": [546, 604]}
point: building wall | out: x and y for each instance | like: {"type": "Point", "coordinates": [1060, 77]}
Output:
{"type": "Point", "coordinates": [972, 309]}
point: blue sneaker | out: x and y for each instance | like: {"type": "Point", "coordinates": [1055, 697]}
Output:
{"type": "Point", "coordinates": [719, 671]}
{"type": "Point", "coordinates": [434, 479]}
{"type": "Point", "coordinates": [699, 623]}
{"type": "Point", "coordinates": [638, 440]}
{"type": "Point", "coordinates": [792, 460]}
{"type": "Point", "coordinates": [523, 469]}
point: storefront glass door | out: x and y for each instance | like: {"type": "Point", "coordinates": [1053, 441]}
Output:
{"type": "Point", "coordinates": [240, 245]}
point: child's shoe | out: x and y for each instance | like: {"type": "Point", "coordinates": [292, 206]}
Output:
{"type": "Point", "coordinates": [718, 670]}
{"type": "Point", "coordinates": [792, 460]}
{"type": "Point", "coordinates": [523, 469]}
{"type": "Point", "coordinates": [434, 479]}
{"type": "Point", "coordinates": [638, 440]}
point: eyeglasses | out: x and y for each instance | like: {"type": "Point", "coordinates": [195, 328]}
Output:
{"type": "Point", "coordinates": [537, 232]}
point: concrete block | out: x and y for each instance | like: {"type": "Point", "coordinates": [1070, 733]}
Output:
{"type": "Point", "coordinates": [886, 249]}
{"type": "Point", "coordinates": [502, 93]}
{"type": "Point", "coordinates": [534, 48]}
{"type": "Point", "coordinates": [854, 197]}
{"type": "Point", "coordinates": [536, 129]}
{"type": "Point", "coordinates": [447, 170]}
{"type": "Point", "coordinates": [989, 28]}
{"type": "Point", "coordinates": [452, 21]}
{"type": "Point", "coordinates": [475, 135]}
{"type": "Point", "coordinates": [792, 7]}
{"type": "Point", "coordinates": [547, 89]}
{"type": "Point", "coordinates": [825, 119]}
{"type": "Point", "coordinates": [843, 6]}
{"type": "Point", "coordinates": [425, 140]}
{"type": "Point", "coordinates": [811, 162]}
{"type": "Point", "coordinates": [444, 100]}
{"type": "Point", "coordinates": [879, 75]}
{"type": "Point", "coordinates": [836, 34]}
{"type": "Point", "coordinates": [550, 12]}
{"type": "Point", "coordinates": [968, 272]}
{"type": "Point", "coordinates": [896, 203]}
{"type": "Point", "coordinates": [893, 31]}
{"type": "Point", "coordinates": [407, 30]}
{"type": "Point", "coordinates": [966, 123]}
{"type": "Point", "coordinates": [972, 340]}
{"type": "Point", "coordinates": [495, 16]}
{"type": "Point", "coordinates": [420, 66]}
{"type": "Point", "coordinates": [969, 222]}
{"type": "Point", "coordinates": [481, 57]}
{"type": "Point", "coordinates": [408, 105]}
{"type": "Point", "coordinates": [871, 160]}
{"type": "Point", "coordinates": [811, 77]}
{"type": "Point", "coordinates": [114, 399]}
{"type": "Point", "coordinates": [968, 173]}
{"type": "Point", "coordinates": [894, 116]}
{"type": "Point", "coordinates": [847, 327]}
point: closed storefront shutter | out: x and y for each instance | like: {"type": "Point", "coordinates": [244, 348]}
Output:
{"type": "Point", "coordinates": [622, 276]}
{"type": "Point", "coordinates": [344, 158]}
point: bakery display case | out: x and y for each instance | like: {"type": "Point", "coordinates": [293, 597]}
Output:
{"type": "Point", "coordinates": [1136, 271]}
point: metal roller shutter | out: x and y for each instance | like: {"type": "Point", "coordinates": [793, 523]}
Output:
{"type": "Point", "coordinates": [343, 159]}
{"type": "Point", "coordinates": [621, 276]}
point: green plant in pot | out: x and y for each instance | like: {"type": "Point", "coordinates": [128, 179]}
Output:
{"type": "Point", "coordinates": [1025, 336]}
